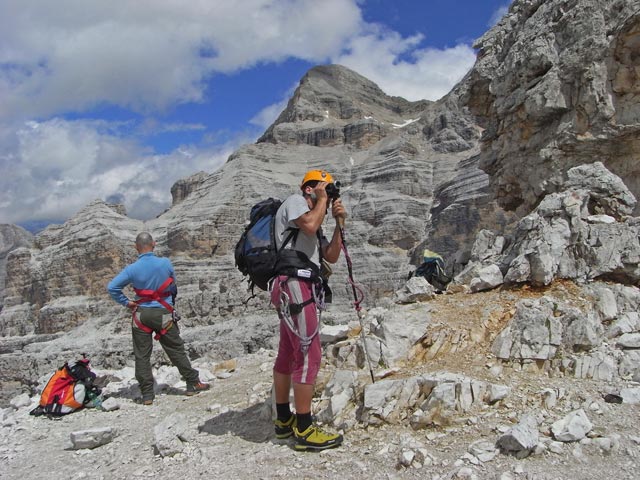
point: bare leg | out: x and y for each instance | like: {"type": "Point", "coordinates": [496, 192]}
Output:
{"type": "Point", "coordinates": [281, 385]}
{"type": "Point", "coordinates": [303, 394]}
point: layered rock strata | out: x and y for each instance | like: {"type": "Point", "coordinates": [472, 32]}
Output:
{"type": "Point", "coordinates": [11, 238]}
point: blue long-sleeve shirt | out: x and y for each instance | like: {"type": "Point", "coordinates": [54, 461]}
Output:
{"type": "Point", "coordinates": [147, 273]}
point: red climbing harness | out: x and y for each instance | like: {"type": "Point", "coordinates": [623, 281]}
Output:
{"type": "Point", "coordinates": [159, 296]}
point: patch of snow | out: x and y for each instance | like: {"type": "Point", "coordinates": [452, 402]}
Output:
{"type": "Point", "coordinates": [407, 122]}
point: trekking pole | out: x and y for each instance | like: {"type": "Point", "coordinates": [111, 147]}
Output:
{"type": "Point", "coordinates": [357, 300]}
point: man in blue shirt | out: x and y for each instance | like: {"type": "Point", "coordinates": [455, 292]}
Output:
{"type": "Point", "coordinates": [153, 280]}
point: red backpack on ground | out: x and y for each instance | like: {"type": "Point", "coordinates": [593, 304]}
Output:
{"type": "Point", "coordinates": [67, 390]}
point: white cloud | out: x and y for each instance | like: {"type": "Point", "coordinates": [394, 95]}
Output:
{"type": "Point", "coordinates": [60, 166]}
{"type": "Point", "coordinates": [428, 74]}
{"type": "Point", "coordinates": [150, 54]}
{"type": "Point", "coordinates": [265, 117]}
{"type": "Point", "coordinates": [152, 126]}
{"type": "Point", "coordinates": [498, 14]}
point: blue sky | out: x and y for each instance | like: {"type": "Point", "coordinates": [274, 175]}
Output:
{"type": "Point", "coordinates": [118, 99]}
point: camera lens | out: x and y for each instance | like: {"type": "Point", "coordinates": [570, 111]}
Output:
{"type": "Point", "coordinates": [333, 190]}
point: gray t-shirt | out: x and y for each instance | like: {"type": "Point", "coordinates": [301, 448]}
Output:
{"type": "Point", "coordinates": [291, 209]}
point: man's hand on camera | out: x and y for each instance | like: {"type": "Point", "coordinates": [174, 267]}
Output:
{"type": "Point", "coordinates": [320, 191]}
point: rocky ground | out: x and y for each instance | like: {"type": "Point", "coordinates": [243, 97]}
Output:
{"type": "Point", "coordinates": [227, 431]}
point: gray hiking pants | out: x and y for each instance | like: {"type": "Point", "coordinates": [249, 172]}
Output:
{"type": "Point", "coordinates": [171, 342]}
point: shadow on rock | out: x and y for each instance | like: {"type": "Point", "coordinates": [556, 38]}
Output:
{"type": "Point", "coordinates": [118, 389]}
{"type": "Point", "coordinates": [252, 424]}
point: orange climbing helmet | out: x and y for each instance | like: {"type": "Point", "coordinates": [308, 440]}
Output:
{"type": "Point", "coordinates": [317, 175]}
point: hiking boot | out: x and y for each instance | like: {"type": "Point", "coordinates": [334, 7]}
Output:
{"type": "Point", "coordinates": [284, 429]}
{"type": "Point", "coordinates": [147, 402]}
{"type": "Point", "coordinates": [315, 439]}
{"type": "Point", "coordinates": [195, 388]}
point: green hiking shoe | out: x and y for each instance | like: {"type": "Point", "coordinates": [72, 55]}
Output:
{"type": "Point", "coordinates": [284, 429]}
{"type": "Point", "coordinates": [315, 439]}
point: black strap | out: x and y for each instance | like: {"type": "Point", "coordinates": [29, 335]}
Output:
{"type": "Point", "coordinates": [319, 246]}
{"type": "Point", "coordinates": [296, 308]}
{"type": "Point", "coordinates": [293, 233]}
{"type": "Point", "coordinates": [55, 407]}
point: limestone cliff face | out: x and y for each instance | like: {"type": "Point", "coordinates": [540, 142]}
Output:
{"type": "Point", "coordinates": [11, 238]}
{"type": "Point", "coordinates": [556, 85]}
{"type": "Point", "coordinates": [183, 187]}
{"type": "Point", "coordinates": [61, 280]}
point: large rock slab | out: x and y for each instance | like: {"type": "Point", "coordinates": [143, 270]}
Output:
{"type": "Point", "coordinates": [431, 399]}
{"type": "Point", "coordinates": [92, 438]}
{"type": "Point", "coordinates": [572, 428]}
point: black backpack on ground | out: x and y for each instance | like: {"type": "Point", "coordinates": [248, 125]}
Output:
{"type": "Point", "coordinates": [432, 269]}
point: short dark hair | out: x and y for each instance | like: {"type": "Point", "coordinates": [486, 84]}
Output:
{"type": "Point", "coordinates": [144, 239]}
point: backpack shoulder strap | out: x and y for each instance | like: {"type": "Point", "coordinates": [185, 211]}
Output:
{"type": "Point", "coordinates": [293, 235]}
{"type": "Point", "coordinates": [319, 245]}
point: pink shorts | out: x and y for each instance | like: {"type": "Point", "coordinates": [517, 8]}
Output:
{"type": "Point", "coordinates": [291, 360]}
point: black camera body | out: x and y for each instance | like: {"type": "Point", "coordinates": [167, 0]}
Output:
{"type": "Point", "coordinates": [333, 190]}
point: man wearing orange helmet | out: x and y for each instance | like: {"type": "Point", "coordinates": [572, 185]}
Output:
{"type": "Point", "coordinates": [298, 296]}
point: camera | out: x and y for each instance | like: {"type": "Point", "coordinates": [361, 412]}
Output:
{"type": "Point", "coordinates": [333, 190]}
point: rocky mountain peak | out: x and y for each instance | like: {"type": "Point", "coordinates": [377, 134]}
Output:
{"type": "Point", "coordinates": [328, 82]}
{"type": "Point", "coordinates": [333, 96]}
